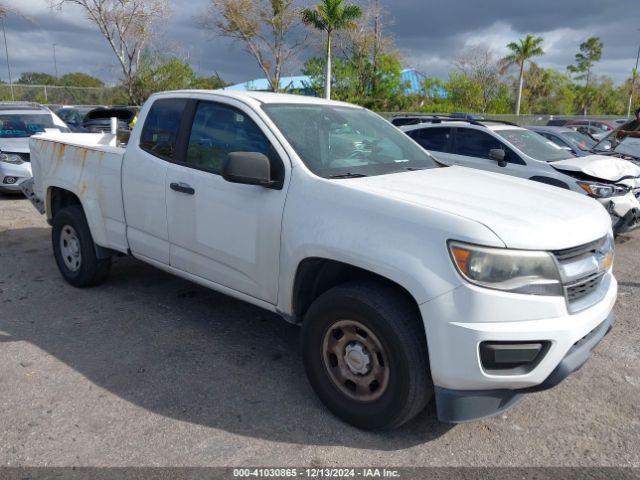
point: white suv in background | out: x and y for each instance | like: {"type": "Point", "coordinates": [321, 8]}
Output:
{"type": "Point", "coordinates": [506, 148]}
{"type": "Point", "coordinates": [18, 122]}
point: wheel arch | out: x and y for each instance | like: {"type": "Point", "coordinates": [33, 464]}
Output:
{"type": "Point", "coordinates": [58, 198]}
{"type": "Point", "coordinates": [316, 275]}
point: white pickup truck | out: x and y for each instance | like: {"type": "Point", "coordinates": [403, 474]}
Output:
{"type": "Point", "coordinates": [412, 282]}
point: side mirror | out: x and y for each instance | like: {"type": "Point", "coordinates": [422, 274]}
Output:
{"type": "Point", "coordinates": [249, 168]}
{"type": "Point", "coordinates": [499, 156]}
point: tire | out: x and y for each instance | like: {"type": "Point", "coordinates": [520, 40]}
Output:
{"type": "Point", "coordinates": [387, 320]}
{"type": "Point", "coordinates": [85, 269]}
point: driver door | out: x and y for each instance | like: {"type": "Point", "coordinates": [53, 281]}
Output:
{"type": "Point", "coordinates": [226, 233]}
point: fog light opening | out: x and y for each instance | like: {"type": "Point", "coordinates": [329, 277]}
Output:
{"type": "Point", "coordinates": [10, 180]}
{"type": "Point", "coordinates": [512, 358]}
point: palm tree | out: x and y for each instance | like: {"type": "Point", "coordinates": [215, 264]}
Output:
{"type": "Point", "coordinates": [522, 51]}
{"type": "Point", "coordinates": [329, 16]}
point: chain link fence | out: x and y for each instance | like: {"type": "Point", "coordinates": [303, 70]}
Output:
{"type": "Point", "coordinates": [57, 95]}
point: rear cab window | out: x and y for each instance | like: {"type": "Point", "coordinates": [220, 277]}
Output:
{"type": "Point", "coordinates": [161, 127]}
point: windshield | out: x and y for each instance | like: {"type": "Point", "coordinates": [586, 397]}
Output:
{"type": "Point", "coordinates": [336, 141]}
{"type": "Point", "coordinates": [534, 145]}
{"type": "Point", "coordinates": [579, 140]}
{"type": "Point", "coordinates": [25, 125]}
{"type": "Point", "coordinates": [622, 140]}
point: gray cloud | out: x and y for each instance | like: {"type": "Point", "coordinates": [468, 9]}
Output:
{"type": "Point", "coordinates": [430, 34]}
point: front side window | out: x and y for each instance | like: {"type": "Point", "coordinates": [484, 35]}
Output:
{"type": "Point", "coordinates": [25, 125]}
{"type": "Point", "coordinates": [534, 145]}
{"type": "Point", "coordinates": [335, 141]}
{"type": "Point", "coordinates": [474, 143]}
{"type": "Point", "coordinates": [436, 139]}
{"type": "Point", "coordinates": [160, 131]}
{"type": "Point", "coordinates": [219, 130]}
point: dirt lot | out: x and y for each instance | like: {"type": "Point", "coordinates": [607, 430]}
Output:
{"type": "Point", "coordinates": [149, 369]}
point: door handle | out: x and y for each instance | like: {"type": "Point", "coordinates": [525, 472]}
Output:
{"type": "Point", "coordinates": [183, 188]}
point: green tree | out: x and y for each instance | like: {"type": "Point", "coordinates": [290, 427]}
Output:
{"type": "Point", "coordinates": [590, 53]}
{"type": "Point", "coordinates": [607, 98]}
{"type": "Point", "coordinates": [79, 79]}
{"type": "Point", "coordinates": [330, 16]}
{"type": "Point", "coordinates": [208, 83]}
{"type": "Point", "coordinates": [158, 73]}
{"type": "Point", "coordinates": [354, 82]}
{"type": "Point", "coordinates": [37, 78]}
{"type": "Point", "coordinates": [548, 91]}
{"type": "Point", "coordinates": [522, 51]}
{"type": "Point", "coordinates": [479, 66]}
{"type": "Point", "coordinates": [468, 94]}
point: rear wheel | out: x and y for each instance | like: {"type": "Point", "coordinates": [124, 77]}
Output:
{"type": "Point", "coordinates": [365, 354]}
{"type": "Point", "coordinates": [74, 250]}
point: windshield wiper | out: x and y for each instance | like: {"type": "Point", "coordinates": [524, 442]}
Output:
{"type": "Point", "coordinates": [347, 175]}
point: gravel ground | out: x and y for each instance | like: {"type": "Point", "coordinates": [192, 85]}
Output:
{"type": "Point", "coordinates": [152, 370]}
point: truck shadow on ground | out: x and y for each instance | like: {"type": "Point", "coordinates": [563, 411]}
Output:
{"type": "Point", "coordinates": [177, 349]}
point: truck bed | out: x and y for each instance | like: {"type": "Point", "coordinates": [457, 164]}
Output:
{"type": "Point", "coordinates": [89, 166]}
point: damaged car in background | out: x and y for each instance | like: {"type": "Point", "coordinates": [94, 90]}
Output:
{"type": "Point", "coordinates": [624, 143]}
{"type": "Point", "coordinates": [506, 148]}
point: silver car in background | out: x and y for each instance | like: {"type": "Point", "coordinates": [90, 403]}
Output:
{"type": "Point", "coordinates": [18, 122]}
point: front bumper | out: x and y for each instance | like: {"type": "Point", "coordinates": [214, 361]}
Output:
{"type": "Point", "coordinates": [11, 176]}
{"type": "Point", "coordinates": [457, 406]}
{"type": "Point", "coordinates": [480, 315]}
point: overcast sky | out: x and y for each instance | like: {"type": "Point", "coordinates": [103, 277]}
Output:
{"type": "Point", "coordinates": [429, 33]}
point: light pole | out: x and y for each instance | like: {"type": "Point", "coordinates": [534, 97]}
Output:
{"type": "Point", "coordinates": [633, 83]}
{"type": "Point", "coordinates": [6, 51]}
{"type": "Point", "coordinates": [55, 61]}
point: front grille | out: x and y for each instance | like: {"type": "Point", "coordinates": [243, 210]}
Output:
{"type": "Point", "coordinates": [583, 287]}
{"type": "Point", "coordinates": [580, 251]}
{"type": "Point", "coordinates": [25, 157]}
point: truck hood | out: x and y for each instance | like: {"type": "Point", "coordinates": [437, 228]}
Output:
{"type": "Point", "coordinates": [14, 145]}
{"type": "Point", "coordinates": [600, 166]}
{"type": "Point", "coordinates": [522, 213]}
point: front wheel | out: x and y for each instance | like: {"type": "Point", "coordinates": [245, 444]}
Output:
{"type": "Point", "coordinates": [365, 353]}
{"type": "Point", "coordinates": [74, 250]}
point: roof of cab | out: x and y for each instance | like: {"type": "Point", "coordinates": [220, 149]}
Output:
{"type": "Point", "coordinates": [260, 97]}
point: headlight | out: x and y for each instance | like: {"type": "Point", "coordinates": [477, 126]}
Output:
{"type": "Point", "coordinates": [602, 190]}
{"type": "Point", "coordinates": [606, 252]}
{"type": "Point", "coordinates": [516, 271]}
{"type": "Point", "coordinates": [11, 158]}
